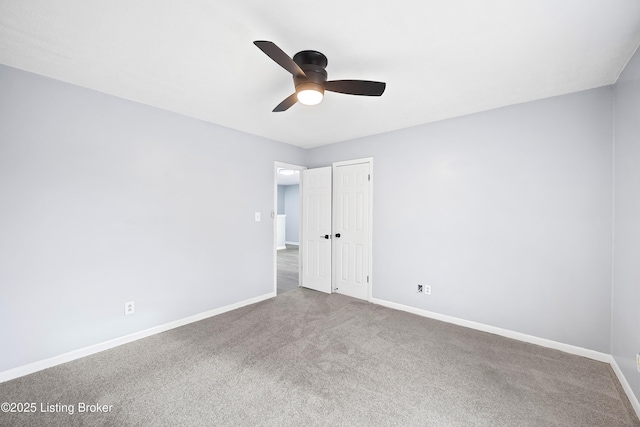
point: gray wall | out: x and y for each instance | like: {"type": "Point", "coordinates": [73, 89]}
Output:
{"type": "Point", "coordinates": [626, 277]}
{"type": "Point", "coordinates": [104, 201]}
{"type": "Point", "coordinates": [506, 214]}
{"type": "Point", "coordinates": [281, 199]}
{"type": "Point", "coordinates": [292, 209]}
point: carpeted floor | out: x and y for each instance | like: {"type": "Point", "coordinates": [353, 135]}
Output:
{"type": "Point", "coordinates": [288, 269]}
{"type": "Point", "coordinates": [307, 358]}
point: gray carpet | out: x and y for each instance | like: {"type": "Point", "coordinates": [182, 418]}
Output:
{"type": "Point", "coordinates": [288, 269]}
{"type": "Point", "coordinates": [307, 358]}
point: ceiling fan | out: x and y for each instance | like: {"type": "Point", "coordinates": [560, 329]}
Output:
{"type": "Point", "coordinates": [310, 77]}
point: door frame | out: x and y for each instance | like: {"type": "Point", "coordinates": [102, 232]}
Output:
{"type": "Point", "coordinates": [333, 252]}
{"type": "Point", "coordinates": [277, 165]}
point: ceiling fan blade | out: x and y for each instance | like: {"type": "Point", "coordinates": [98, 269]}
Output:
{"type": "Point", "coordinates": [286, 104]}
{"type": "Point", "coordinates": [356, 87]}
{"type": "Point", "coordinates": [281, 58]}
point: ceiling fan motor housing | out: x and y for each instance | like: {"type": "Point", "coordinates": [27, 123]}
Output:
{"type": "Point", "coordinates": [313, 64]}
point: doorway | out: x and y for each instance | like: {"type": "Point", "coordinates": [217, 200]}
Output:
{"type": "Point", "coordinates": [287, 227]}
{"type": "Point", "coordinates": [332, 250]}
{"type": "Point", "coordinates": [336, 228]}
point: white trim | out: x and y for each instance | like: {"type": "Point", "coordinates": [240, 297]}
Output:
{"type": "Point", "coordinates": [567, 348]}
{"type": "Point", "coordinates": [285, 243]}
{"type": "Point", "coordinates": [96, 348]}
{"type": "Point", "coordinates": [353, 162]}
{"type": "Point", "coordinates": [292, 243]}
{"type": "Point", "coordinates": [626, 387]}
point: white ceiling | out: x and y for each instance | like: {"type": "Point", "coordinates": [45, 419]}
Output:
{"type": "Point", "coordinates": [439, 58]}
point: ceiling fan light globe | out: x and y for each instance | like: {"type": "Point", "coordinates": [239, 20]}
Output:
{"type": "Point", "coordinates": [310, 97]}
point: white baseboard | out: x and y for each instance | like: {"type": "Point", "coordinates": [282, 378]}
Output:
{"type": "Point", "coordinates": [280, 247]}
{"type": "Point", "coordinates": [292, 243]}
{"type": "Point", "coordinates": [625, 385]}
{"type": "Point", "coordinates": [96, 348]}
{"type": "Point", "coordinates": [571, 349]}
{"type": "Point", "coordinates": [567, 348]}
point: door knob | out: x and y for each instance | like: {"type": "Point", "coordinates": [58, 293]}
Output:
{"type": "Point", "coordinates": [326, 236]}
{"type": "Point", "coordinates": [338, 235]}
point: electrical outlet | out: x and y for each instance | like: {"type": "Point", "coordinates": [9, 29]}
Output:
{"type": "Point", "coordinates": [427, 289]}
{"type": "Point", "coordinates": [638, 361]}
{"type": "Point", "coordinates": [420, 289]}
{"type": "Point", "coordinates": [257, 216]}
{"type": "Point", "coordinates": [129, 307]}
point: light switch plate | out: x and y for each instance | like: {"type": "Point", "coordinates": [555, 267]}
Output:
{"type": "Point", "coordinates": [257, 216]}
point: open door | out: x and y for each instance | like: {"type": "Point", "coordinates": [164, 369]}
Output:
{"type": "Point", "coordinates": [316, 229]}
{"type": "Point", "coordinates": [337, 200]}
{"type": "Point", "coordinates": [352, 228]}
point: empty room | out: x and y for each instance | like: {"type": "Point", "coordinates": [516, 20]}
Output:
{"type": "Point", "coordinates": [348, 213]}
